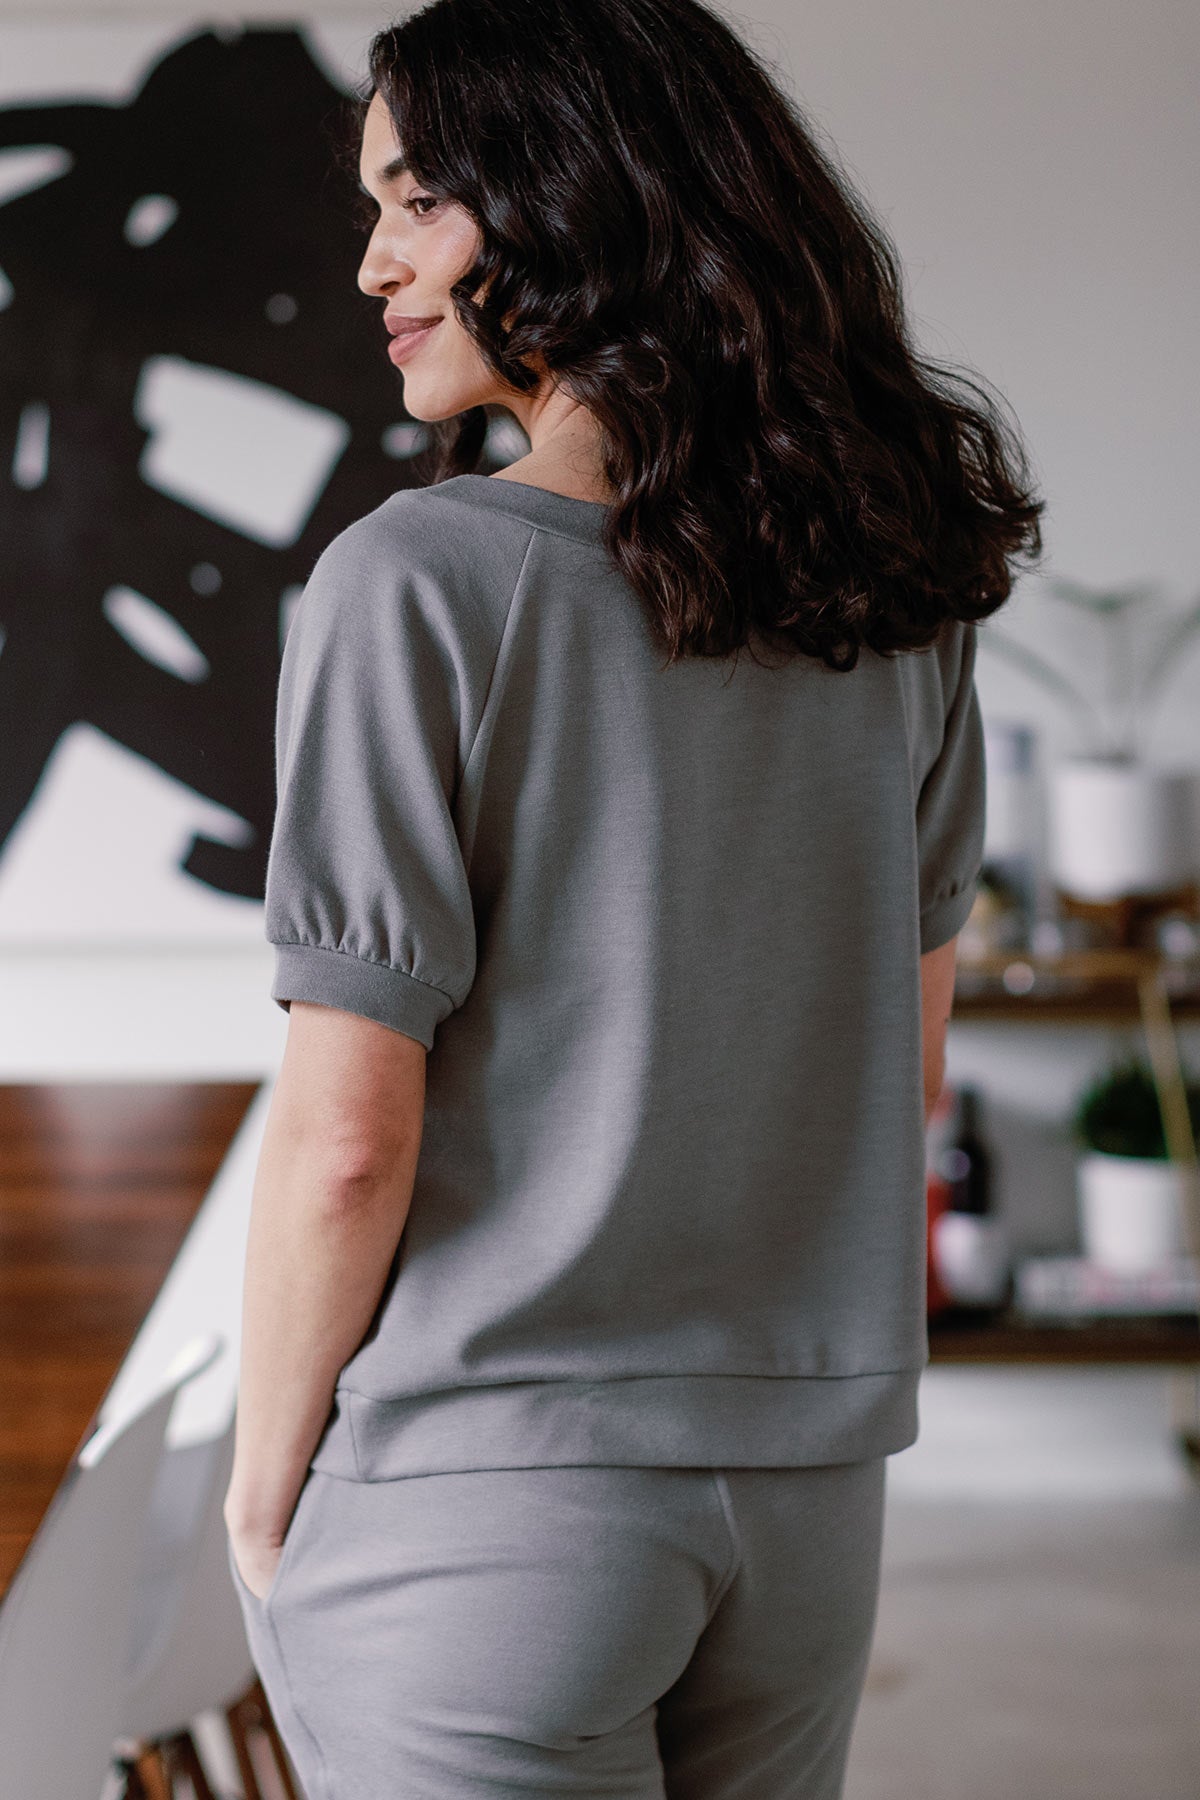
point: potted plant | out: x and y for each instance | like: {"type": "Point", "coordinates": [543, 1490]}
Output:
{"type": "Point", "coordinates": [1131, 1195]}
{"type": "Point", "coordinates": [1119, 826]}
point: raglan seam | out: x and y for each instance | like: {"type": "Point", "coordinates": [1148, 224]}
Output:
{"type": "Point", "coordinates": [495, 664]}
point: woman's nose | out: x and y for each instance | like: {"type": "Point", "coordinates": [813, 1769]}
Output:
{"type": "Point", "coordinates": [382, 269]}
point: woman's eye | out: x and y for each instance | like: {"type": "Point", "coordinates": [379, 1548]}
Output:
{"type": "Point", "coordinates": [367, 212]}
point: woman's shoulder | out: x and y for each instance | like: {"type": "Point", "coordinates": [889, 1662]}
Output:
{"type": "Point", "coordinates": [429, 564]}
{"type": "Point", "coordinates": [426, 528]}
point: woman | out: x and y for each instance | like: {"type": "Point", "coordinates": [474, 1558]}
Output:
{"type": "Point", "coordinates": [585, 1283]}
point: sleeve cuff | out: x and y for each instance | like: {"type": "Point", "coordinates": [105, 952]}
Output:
{"type": "Point", "coordinates": [946, 918]}
{"type": "Point", "coordinates": [373, 990]}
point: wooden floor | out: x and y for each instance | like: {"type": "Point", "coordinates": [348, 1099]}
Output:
{"type": "Point", "coordinates": [99, 1182]}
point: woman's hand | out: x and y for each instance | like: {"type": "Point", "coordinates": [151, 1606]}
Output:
{"type": "Point", "coordinates": [257, 1560]}
{"type": "Point", "coordinates": [256, 1536]}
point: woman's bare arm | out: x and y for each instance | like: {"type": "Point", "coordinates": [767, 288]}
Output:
{"type": "Point", "coordinates": [937, 1000]}
{"type": "Point", "coordinates": [331, 1195]}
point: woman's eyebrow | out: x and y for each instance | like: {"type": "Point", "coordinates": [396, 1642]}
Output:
{"type": "Point", "coordinates": [391, 171]}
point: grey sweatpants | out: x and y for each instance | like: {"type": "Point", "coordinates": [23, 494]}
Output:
{"type": "Point", "coordinates": [700, 1634]}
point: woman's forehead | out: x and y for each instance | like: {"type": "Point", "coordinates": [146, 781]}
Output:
{"type": "Point", "coordinates": [380, 145]}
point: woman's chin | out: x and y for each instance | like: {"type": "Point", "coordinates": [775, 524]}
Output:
{"type": "Point", "coordinates": [427, 401]}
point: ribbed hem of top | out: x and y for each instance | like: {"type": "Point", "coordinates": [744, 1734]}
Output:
{"type": "Point", "coordinates": [653, 1421]}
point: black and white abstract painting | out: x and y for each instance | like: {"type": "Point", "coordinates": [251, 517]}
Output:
{"type": "Point", "coordinates": [193, 400]}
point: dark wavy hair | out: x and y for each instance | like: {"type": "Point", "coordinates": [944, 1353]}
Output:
{"type": "Point", "coordinates": [660, 228]}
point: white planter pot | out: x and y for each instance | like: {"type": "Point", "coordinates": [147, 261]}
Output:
{"type": "Point", "coordinates": [1131, 1211]}
{"type": "Point", "coordinates": [972, 1257]}
{"type": "Point", "coordinates": [1121, 828]}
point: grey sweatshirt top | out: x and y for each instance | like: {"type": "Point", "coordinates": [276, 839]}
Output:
{"type": "Point", "coordinates": [659, 930]}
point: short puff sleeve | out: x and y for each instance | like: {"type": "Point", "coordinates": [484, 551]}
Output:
{"type": "Point", "coordinates": [952, 806]}
{"type": "Point", "coordinates": [367, 900]}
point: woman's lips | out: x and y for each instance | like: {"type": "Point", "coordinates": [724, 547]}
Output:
{"type": "Point", "coordinates": [405, 343]}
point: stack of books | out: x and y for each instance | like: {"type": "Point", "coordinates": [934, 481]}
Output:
{"type": "Point", "coordinates": [1071, 1287]}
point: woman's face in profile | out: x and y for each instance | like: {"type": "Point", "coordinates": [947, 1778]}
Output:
{"type": "Point", "coordinates": [420, 245]}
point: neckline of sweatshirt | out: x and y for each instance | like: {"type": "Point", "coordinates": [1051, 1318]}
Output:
{"type": "Point", "coordinates": [561, 513]}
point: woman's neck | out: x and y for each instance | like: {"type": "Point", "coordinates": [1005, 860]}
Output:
{"type": "Point", "coordinates": [560, 477]}
{"type": "Point", "coordinates": [567, 460]}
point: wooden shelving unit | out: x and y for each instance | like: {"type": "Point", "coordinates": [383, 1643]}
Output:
{"type": "Point", "coordinates": [1085, 987]}
{"type": "Point", "coordinates": [1013, 1339]}
{"type": "Point", "coordinates": [1092, 987]}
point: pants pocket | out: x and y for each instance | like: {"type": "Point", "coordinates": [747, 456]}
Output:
{"type": "Point", "coordinates": [286, 1555]}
